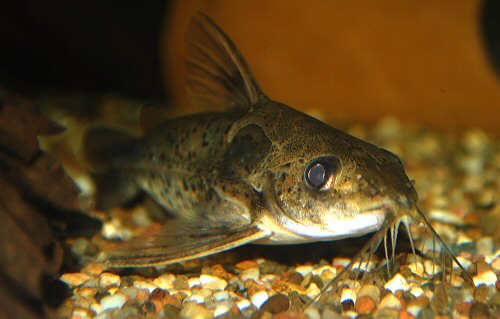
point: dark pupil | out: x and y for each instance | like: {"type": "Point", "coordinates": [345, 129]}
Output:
{"type": "Point", "coordinates": [316, 175]}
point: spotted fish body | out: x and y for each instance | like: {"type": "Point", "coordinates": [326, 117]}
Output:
{"type": "Point", "coordinates": [252, 171]}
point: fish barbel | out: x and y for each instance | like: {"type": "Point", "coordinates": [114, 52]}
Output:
{"type": "Point", "coordinates": [252, 171]}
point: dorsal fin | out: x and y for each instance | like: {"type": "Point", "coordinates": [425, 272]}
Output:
{"type": "Point", "coordinates": [216, 72]}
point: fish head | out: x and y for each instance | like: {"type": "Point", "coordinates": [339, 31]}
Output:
{"type": "Point", "coordinates": [321, 182]}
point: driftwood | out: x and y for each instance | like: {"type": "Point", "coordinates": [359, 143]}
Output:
{"type": "Point", "coordinates": [36, 208]}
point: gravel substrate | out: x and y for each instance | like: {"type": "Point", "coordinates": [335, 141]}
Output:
{"type": "Point", "coordinates": [458, 181]}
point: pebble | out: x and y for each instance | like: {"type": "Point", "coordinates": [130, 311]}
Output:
{"type": "Point", "coordinates": [365, 305]}
{"type": "Point", "coordinates": [479, 310]}
{"type": "Point", "coordinates": [150, 286]}
{"type": "Point", "coordinates": [304, 270]}
{"type": "Point", "coordinates": [432, 268]}
{"type": "Point", "coordinates": [398, 282]}
{"type": "Point", "coordinates": [247, 264]}
{"type": "Point", "coordinates": [221, 296]}
{"type": "Point", "coordinates": [131, 292]}
{"type": "Point", "coordinates": [330, 314]}
{"type": "Point", "coordinates": [495, 264]}
{"type": "Point", "coordinates": [370, 290]}
{"type": "Point", "coordinates": [341, 261]}
{"type": "Point", "coordinates": [82, 313]}
{"type": "Point", "coordinates": [414, 310]}
{"type": "Point", "coordinates": [313, 290]}
{"type": "Point", "coordinates": [193, 282]}
{"type": "Point", "coordinates": [488, 278]}
{"type": "Point", "coordinates": [417, 268]}
{"type": "Point", "coordinates": [312, 313]}
{"type": "Point", "coordinates": [93, 269]}
{"type": "Point", "coordinates": [347, 294]}
{"type": "Point", "coordinates": [276, 304]}
{"type": "Point", "coordinates": [194, 311]}
{"type": "Point", "coordinates": [466, 263]}
{"type": "Point", "coordinates": [112, 302]}
{"type": "Point", "coordinates": [390, 301]}
{"type": "Point", "coordinates": [165, 281]}
{"type": "Point", "coordinates": [485, 246]}
{"type": "Point", "coordinates": [75, 279]}
{"type": "Point", "coordinates": [416, 290]}
{"type": "Point", "coordinates": [259, 298]}
{"type": "Point", "coordinates": [367, 267]}
{"type": "Point", "coordinates": [445, 216]}
{"type": "Point", "coordinates": [96, 308]}
{"type": "Point", "coordinates": [198, 298]}
{"type": "Point", "coordinates": [243, 304]}
{"type": "Point", "coordinates": [170, 311]}
{"type": "Point", "coordinates": [107, 279]}
{"type": "Point", "coordinates": [222, 308]}
{"type": "Point", "coordinates": [250, 274]}
{"type": "Point", "coordinates": [219, 284]}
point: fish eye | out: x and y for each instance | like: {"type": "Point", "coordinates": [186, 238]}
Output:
{"type": "Point", "coordinates": [320, 172]}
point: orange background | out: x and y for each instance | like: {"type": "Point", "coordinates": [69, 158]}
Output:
{"type": "Point", "coordinates": [422, 61]}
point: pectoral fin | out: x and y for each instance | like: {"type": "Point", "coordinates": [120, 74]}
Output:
{"type": "Point", "coordinates": [181, 240]}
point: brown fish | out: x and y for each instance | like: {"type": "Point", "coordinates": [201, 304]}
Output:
{"type": "Point", "coordinates": [254, 171]}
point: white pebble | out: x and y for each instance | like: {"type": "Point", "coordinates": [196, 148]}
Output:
{"type": "Point", "coordinates": [398, 282]}
{"type": "Point", "coordinates": [304, 270]}
{"type": "Point", "coordinates": [195, 281]}
{"type": "Point", "coordinates": [347, 294]}
{"type": "Point", "coordinates": [221, 309]}
{"type": "Point", "coordinates": [259, 298]}
{"type": "Point", "coordinates": [489, 278]}
{"type": "Point", "coordinates": [205, 279]}
{"type": "Point", "coordinates": [243, 304]}
{"type": "Point", "coordinates": [221, 296]}
{"type": "Point", "coordinates": [112, 302]}
{"type": "Point", "coordinates": [219, 284]}
{"type": "Point", "coordinates": [250, 274]}
{"type": "Point", "coordinates": [416, 290]}
{"type": "Point", "coordinates": [414, 310]}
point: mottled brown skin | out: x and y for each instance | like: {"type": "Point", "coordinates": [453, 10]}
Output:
{"type": "Point", "coordinates": [244, 174]}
